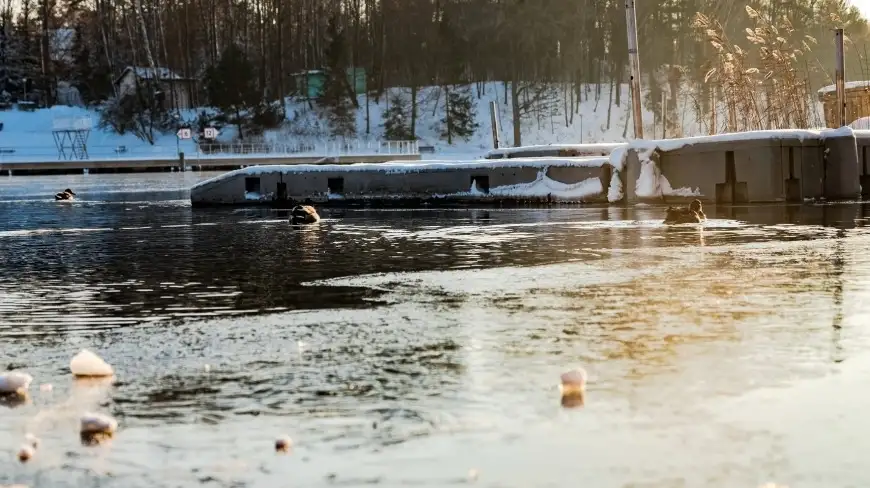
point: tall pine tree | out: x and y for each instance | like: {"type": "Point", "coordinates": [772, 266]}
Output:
{"type": "Point", "coordinates": [22, 63]}
{"type": "Point", "coordinates": [396, 123]}
{"type": "Point", "coordinates": [231, 89]}
{"type": "Point", "coordinates": [460, 117]}
{"type": "Point", "coordinates": [5, 97]}
{"type": "Point", "coordinates": [341, 113]}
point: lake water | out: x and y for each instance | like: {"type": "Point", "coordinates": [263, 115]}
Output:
{"type": "Point", "coordinates": [423, 347]}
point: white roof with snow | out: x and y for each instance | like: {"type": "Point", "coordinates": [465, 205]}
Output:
{"type": "Point", "coordinates": [570, 150]}
{"type": "Point", "coordinates": [861, 124]}
{"type": "Point", "coordinates": [851, 85]}
{"type": "Point", "coordinates": [147, 73]}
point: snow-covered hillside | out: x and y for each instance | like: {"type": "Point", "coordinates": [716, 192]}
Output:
{"type": "Point", "coordinates": [29, 134]}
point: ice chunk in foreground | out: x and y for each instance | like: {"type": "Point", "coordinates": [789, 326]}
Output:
{"type": "Point", "coordinates": [32, 440]}
{"type": "Point", "coordinates": [25, 453]}
{"type": "Point", "coordinates": [14, 382]}
{"type": "Point", "coordinates": [86, 363]}
{"type": "Point", "coordinates": [573, 381]}
{"type": "Point", "coordinates": [283, 444]}
{"type": "Point", "coordinates": [97, 428]}
{"type": "Point", "coordinates": [95, 423]}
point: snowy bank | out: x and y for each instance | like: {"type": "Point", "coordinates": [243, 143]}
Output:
{"type": "Point", "coordinates": [27, 136]}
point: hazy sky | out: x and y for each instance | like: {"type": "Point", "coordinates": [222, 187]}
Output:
{"type": "Point", "coordinates": [864, 5]}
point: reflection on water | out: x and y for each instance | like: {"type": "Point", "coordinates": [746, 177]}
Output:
{"type": "Point", "coordinates": [414, 347]}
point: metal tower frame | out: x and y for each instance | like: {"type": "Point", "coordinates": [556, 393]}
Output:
{"type": "Point", "coordinates": [71, 143]}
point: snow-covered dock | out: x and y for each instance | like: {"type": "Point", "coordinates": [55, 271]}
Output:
{"type": "Point", "coordinates": [541, 179]}
{"type": "Point", "coordinates": [197, 162]}
{"type": "Point", "coordinates": [760, 166]}
{"type": "Point", "coordinates": [556, 150]}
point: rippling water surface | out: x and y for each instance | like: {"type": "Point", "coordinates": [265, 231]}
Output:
{"type": "Point", "coordinates": [422, 347]}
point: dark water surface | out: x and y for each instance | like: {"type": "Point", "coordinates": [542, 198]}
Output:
{"type": "Point", "coordinates": [423, 347]}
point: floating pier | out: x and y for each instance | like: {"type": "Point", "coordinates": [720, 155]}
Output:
{"type": "Point", "coordinates": [198, 162]}
{"type": "Point", "coordinates": [749, 167]}
{"type": "Point", "coordinates": [556, 151]}
{"type": "Point", "coordinates": [539, 180]}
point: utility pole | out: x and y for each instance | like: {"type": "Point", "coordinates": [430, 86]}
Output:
{"type": "Point", "coordinates": [840, 77]}
{"type": "Point", "coordinates": [493, 115]}
{"type": "Point", "coordinates": [634, 61]}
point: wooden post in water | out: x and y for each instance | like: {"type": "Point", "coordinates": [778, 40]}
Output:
{"type": "Point", "coordinates": [664, 115]}
{"type": "Point", "coordinates": [634, 62]}
{"type": "Point", "coordinates": [840, 77]}
{"type": "Point", "coordinates": [495, 129]}
{"type": "Point", "coordinates": [713, 111]}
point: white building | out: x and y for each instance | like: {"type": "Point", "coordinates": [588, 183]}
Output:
{"type": "Point", "coordinates": [178, 90]}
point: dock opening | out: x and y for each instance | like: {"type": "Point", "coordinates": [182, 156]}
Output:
{"type": "Point", "coordinates": [865, 173]}
{"type": "Point", "coordinates": [335, 185]}
{"type": "Point", "coordinates": [482, 182]}
{"type": "Point", "coordinates": [792, 184]}
{"type": "Point", "coordinates": [732, 191]}
{"type": "Point", "coordinates": [252, 184]}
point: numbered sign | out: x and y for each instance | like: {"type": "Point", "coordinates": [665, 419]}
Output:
{"type": "Point", "coordinates": [183, 133]}
{"type": "Point", "coordinates": [211, 133]}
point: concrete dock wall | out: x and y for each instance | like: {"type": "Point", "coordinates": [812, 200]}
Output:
{"type": "Point", "coordinates": [566, 180]}
{"type": "Point", "coordinates": [751, 167]}
{"type": "Point", "coordinates": [766, 166]}
{"type": "Point", "coordinates": [863, 149]}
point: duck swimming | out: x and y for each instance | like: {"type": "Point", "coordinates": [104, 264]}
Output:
{"type": "Point", "coordinates": [65, 195]}
{"type": "Point", "coordinates": [304, 214]}
{"type": "Point", "coordinates": [692, 215]}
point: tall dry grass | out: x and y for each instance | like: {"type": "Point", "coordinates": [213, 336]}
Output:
{"type": "Point", "coordinates": [763, 85]}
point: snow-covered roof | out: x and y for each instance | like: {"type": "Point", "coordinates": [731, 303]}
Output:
{"type": "Point", "coordinates": [861, 124]}
{"type": "Point", "coordinates": [851, 85]}
{"type": "Point", "coordinates": [571, 150]}
{"type": "Point", "coordinates": [147, 73]}
{"type": "Point", "coordinates": [309, 72]}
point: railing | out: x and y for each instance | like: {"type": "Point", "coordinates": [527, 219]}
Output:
{"type": "Point", "coordinates": [330, 148]}
{"type": "Point", "coordinates": [71, 123]}
{"type": "Point", "coordinates": [193, 151]}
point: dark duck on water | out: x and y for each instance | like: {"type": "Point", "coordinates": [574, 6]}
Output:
{"type": "Point", "coordinates": [694, 214]}
{"type": "Point", "coordinates": [65, 195]}
{"type": "Point", "coordinates": [304, 214]}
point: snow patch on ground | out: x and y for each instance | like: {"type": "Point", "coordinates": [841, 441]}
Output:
{"type": "Point", "coordinates": [29, 134]}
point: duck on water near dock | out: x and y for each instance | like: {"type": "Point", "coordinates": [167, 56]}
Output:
{"type": "Point", "coordinates": [304, 214]}
{"type": "Point", "coordinates": [694, 214]}
{"type": "Point", "coordinates": [65, 195]}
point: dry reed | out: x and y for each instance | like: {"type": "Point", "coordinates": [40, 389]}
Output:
{"type": "Point", "coordinates": [760, 86]}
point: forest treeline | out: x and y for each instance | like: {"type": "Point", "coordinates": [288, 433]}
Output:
{"type": "Point", "coordinates": [721, 50]}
